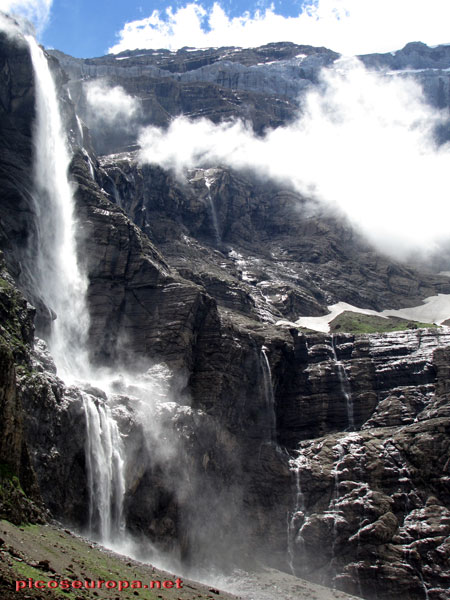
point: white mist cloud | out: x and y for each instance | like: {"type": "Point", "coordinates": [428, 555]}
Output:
{"type": "Point", "coordinates": [35, 11]}
{"type": "Point", "coordinates": [110, 105]}
{"type": "Point", "coordinates": [347, 26]}
{"type": "Point", "coordinates": [365, 144]}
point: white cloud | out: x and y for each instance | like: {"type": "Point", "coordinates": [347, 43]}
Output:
{"type": "Point", "coordinates": [347, 26]}
{"type": "Point", "coordinates": [35, 11]}
{"type": "Point", "coordinates": [110, 105]}
{"type": "Point", "coordinates": [364, 144]}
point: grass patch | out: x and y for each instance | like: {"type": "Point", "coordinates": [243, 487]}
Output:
{"type": "Point", "coordinates": [25, 571]}
{"type": "Point", "coordinates": [351, 322]}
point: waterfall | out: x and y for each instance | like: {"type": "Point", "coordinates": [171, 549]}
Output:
{"type": "Point", "coordinates": [62, 286]}
{"type": "Point", "coordinates": [90, 164]}
{"type": "Point", "coordinates": [105, 470]}
{"type": "Point", "coordinates": [215, 220]}
{"type": "Point", "coordinates": [299, 509]}
{"type": "Point", "coordinates": [345, 387]}
{"type": "Point", "coordinates": [269, 395]}
{"type": "Point", "coordinates": [59, 280]}
{"type": "Point", "coordinates": [333, 505]}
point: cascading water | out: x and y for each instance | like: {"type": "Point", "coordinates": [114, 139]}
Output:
{"type": "Point", "coordinates": [299, 509]}
{"type": "Point", "coordinates": [334, 502]}
{"type": "Point", "coordinates": [59, 280]}
{"type": "Point", "coordinates": [269, 395]}
{"type": "Point", "coordinates": [62, 286]}
{"type": "Point", "coordinates": [106, 483]}
{"type": "Point", "coordinates": [345, 387]}
{"type": "Point", "coordinates": [215, 220]}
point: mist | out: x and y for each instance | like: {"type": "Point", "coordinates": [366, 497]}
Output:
{"type": "Point", "coordinates": [36, 12]}
{"type": "Point", "coordinates": [110, 113]}
{"type": "Point", "coordinates": [111, 105]}
{"type": "Point", "coordinates": [363, 144]}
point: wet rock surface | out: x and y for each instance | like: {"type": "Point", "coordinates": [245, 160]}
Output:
{"type": "Point", "coordinates": [20, 499]}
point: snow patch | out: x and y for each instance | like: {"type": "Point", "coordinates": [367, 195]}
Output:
{"type": "Point", "coordinates": [435, 309]}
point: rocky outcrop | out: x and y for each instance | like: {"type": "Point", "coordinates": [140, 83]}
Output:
{"type": "Point", "coordinates": [350, 382]}
{"type": "Point", "coordinates": [263, 86]}
{"type": "Point", "coordinates": [139, 307]}
{"type": "Point", "coordinates": [19, 494]}
{"type": "Point", "coordinates": [279, 257]}
{"type": "Point", "coordinates": [415, 55]}
{"type": "Point", "coordinates": [260, 86]}
{"type": "Point", "coordinates": [373, 517]}
{"type": "Point", "coordinates": [16, 153]}
{"type": "Point", "coordinates": [370, 506]}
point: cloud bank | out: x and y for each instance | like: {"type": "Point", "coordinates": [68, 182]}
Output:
{"type": "Point", "coordinates": [347, 26]}
{"type": "Point", "coordinates": [364, 145]}
{"type": "Point", "coordinates": [110, 105]}
{"type": "Point", "coordinates": [35, 11]}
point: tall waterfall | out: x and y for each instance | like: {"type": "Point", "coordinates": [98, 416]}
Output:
{"type": "Point", "coordinates": [59, 280]}
{"type": "Point", "coordinates": [62, 286]}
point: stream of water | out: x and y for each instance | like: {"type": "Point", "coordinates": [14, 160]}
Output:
{"type": "Point", "coordinates": [62, 286]}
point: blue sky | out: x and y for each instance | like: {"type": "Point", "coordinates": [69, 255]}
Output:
{"type": "Point", "coordinates": [86, 28]}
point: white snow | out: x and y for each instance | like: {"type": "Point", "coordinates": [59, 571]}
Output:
{"type": "Point", "coordinates": [412, 71]}
{"type": "Point", "coordinates": [323, 323]}
{"type": "Point", "coordinates": [126, 57]}
{"type": "Point", "coordinates": [435, 309]}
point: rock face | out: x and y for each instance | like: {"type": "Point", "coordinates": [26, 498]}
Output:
{"type": "Point", "coordinates": [263, 86]}
{"type": "Point", "coordinates": [326, 456]}
{"type": "Point", "coordinates": [366, 494]}
{"type": "Point", "coordinates": [19, 494]}
{"type": "Point", "coordinates": [16, 152]}
{"type": "Point", "coordinates": [278, 256]}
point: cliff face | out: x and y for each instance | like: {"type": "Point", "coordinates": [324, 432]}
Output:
{"type": "Point", "coordinates": [265, 86]}
{"type": "Point", "coordinates": [16, 149]}
{"type": "Point", "coordinates": [328, 454]}
{"type": "Point", "coordinates": [20, 499]}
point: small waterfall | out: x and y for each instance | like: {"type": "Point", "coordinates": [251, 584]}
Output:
{"type": "Point", "coordinates": [299, 509]}
{"type": "Point", "coordinates": [215, 220]}
{"type": "Point", "coordinates": [332, 508]}
{"type": "Point", "coordinates": [345, 387]}
{"type": "Point", "coordinates": [90, 164]}
{"type": "Point", "coordinates": [80, 127]}
{"type": "Point", "coordinates": [62, 286]}
{"type": "Point", "coordinates": [269, 395]}
{"type": "Point", "coordinates": [424, 587]}
{"type": "Point", "coordinates": [105, 471]}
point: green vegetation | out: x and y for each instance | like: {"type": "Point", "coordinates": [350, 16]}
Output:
{"type": "Point", "coordinates": [16, 318]}
{"type": "Point", "coordinates": [6, 471]}
{"type": "Point", "coordinates": [351, 322]}
{"type": "Point", "coordinates": [15, 321]}
{"type": "Point", "coordinates": [44, 553]}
